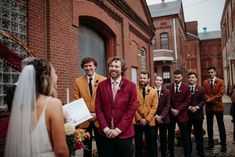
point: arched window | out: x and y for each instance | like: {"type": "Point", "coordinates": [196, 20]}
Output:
{"type": "Point", "coordinates": [164, 40]}
{"type": "Point", "coordinates": [143, 59]}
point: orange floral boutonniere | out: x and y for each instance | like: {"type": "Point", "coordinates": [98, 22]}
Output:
{"type": "Point", "coordinates": [147, 92]}
{"type": "Point", "coordinates": [96, 83]}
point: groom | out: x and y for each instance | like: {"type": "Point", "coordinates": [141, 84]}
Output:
{"type": "Point", "coordinates": [116, 100]}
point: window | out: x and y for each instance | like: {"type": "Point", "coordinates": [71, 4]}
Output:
{"type": "Point", "coordinates": [164, 40]}
{"type": "Point", "coordinates": [14, 20]}
{"type": "Point", "coordinates": [166, 74]}
{"type": "Point", "coordinates": [134, 75]}
{"type": "Point", "coordinates": [143, 59]}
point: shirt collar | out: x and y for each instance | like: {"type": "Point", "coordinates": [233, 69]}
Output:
{"type": "Point", "coordinates": [192, 85]}
{"type": "Point", "coordinates": [160, 88]}
{"type": "Point", "coordinates": [118, 80]}
{"type": "Point", "coordinates": [179, 84]}
{"type": "Point", "coordinates": [93, 77]}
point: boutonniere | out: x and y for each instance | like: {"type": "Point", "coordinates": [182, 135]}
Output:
{"type": "Point", "coordinates": [96, 83]}
{"type": "Point", "coordinates": [120, 86]}
{"type": "Point", "coordinates": [147, 92]}
{"type": "Point", "coordinates": [196, 90]}
{"type": "Point", "coordinates": [161, 93]}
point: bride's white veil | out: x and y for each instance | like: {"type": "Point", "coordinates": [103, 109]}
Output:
{"type": "Point", "coordinates": [23, 118]}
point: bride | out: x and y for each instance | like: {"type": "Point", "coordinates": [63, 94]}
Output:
{"type": "Point", "coordinates": [36, 127]}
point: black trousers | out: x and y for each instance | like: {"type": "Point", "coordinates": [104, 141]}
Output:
{"type": "Point", "coordinates": [197, 126]}
{"type": "Point", "coordinates": [163, 137]}
{"type": "Point", "coordinates": [220, 122]}
{"type": "Point", "coordinates": [116, 147]}
{"type": "Point", "coordinates": [88, 142]}
{"type": "Point", "coordinates": [184, 134]}
{"type": "Point", "coordinates": [150, 137]}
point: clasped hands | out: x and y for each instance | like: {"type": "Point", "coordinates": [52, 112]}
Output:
{"type": "Point", "coordinates": [112, 133]}
{"type": "Point", "coordinates": [193, 108]}
{"type": "Point", "coordinates": [159, 119]}
{"type": "Point", "coordinates": [174, 112]}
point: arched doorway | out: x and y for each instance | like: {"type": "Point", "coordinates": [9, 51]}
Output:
{"type": "Point", "coordinates": [91, 44]}
{"type": "Point", "coordinates": [95, 39]}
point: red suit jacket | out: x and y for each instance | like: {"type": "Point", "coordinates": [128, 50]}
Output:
{"type": "Point", "coordinates": [122, 110]}
{"type": "Point", "coordinates": [164, 104]}
{"type": "Point", "coordinates": [198, 99]}
{"type": "Point", "coordinates": [180, 101]}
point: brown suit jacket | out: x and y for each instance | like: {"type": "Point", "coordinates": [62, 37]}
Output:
{"type": "Point", "coordinates": [215, 95]}
{"type": "Point", "coordinates": [146, 107]}
{"type": "Point", "coordinates": [120, 111]}
{"type": "Point", "coordinates": [81, 90]}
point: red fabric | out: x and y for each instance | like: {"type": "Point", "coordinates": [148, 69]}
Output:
{"type": "Point", "coordinates": [10, 57]}
{"type": "Point", "coordinates": [4, 121]}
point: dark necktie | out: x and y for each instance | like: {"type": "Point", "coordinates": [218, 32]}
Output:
{"type": "Point", "coordinates": [158, 93]}
{"type": "Point", "coordinates": [192, 90]}
{"type": "Point", "coordinates": [211, 83]}
{"type": "Point", "coordinates": [144, 92]}
{"type": "Point", "coordinates": [90, 85]}
{"type": "Point", "coordinates": [177, 88]}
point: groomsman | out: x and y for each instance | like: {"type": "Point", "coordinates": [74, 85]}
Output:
{"type": "Point", "coordinates": [85, 87]}
{"type": "Point", "coordinates": [162, 114]}
{"type": "Point", "coordinates": [144, 117]}
{"type": "Point", "coordinates": [214, 89]}
{"type": "Point", "coordinates": [180, 100]}
{"type": "Point", "coordinates": [116, 101]}
{"type": "Point", "coordinates": [195, 111]}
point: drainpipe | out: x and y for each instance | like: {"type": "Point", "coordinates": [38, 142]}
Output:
{"type": "Point", "coordinates": [175, 43]}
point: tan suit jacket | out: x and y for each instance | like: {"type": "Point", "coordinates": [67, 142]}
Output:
{"type": "Point", "coordinates": [146, 108]}
{"type": "Point", "coordinates": [81, 90]}
{"type": "Point", "coordinates": [215, 95]}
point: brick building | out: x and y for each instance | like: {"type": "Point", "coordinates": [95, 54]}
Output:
{"type": "Point", "coordinates": [178, 45]}
{"type": "Point", "coordinates": [65, 31]}
{"type": "Point", "coordinates": [228, 42]}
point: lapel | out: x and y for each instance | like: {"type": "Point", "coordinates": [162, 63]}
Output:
{"type": "Point", "coordinates": [141, 95]}
{"type": "Point", "coordinates": [85, 85]}
{"type": "Point", "coordinates": [96, 82]}
{"type": "Point", "coordinates": [109, 89]}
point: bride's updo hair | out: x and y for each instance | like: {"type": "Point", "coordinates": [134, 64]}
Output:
{"type": "Point", "coordinates": [44, 83]}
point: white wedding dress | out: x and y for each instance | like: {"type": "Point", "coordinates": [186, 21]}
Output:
{"type": "Point", "coordinates": [27, 135]}
{"type": "Point", "coordinates": [44, 140]}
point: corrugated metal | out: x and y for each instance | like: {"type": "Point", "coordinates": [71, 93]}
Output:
{"type": "Point", "coordinates": [91, 44]}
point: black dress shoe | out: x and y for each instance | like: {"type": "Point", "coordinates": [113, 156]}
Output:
{"type": "Point", "coordinates": [223, 149]}
{"type": "Point", "coordinates": [209, 146]}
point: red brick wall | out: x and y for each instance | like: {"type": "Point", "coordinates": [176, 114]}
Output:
{"type": "Point", "coordinates": [211, 55]}
{"type": "Point", "coordinates": [53, 35]}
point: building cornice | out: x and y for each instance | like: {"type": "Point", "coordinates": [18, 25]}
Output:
{"type": "Point", "coordinates": [139, 34]}
{"type": "Point", "coordinates": [108, 10]}
{"type": "Point", "coordinates": [129, 12]}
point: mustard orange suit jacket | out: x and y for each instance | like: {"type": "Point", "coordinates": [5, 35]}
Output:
{"type": "Point", "coordinates": [146, 107]}
{"type": "Point", "coordinates": [215, 95]}
{"type": "Point", "coordinates": [81, 90]}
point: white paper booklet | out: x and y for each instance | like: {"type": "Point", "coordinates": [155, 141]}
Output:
{"type": "Point", "coordinates": [77, 112]}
